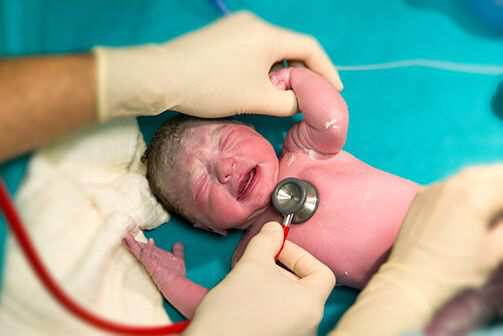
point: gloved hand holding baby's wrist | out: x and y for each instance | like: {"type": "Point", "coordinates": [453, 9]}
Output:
{"type": "Point", "coordinates": [218, 71]}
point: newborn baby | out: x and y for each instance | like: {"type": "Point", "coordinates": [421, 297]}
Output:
{"type": "Point", "coordinates": [219, 174]}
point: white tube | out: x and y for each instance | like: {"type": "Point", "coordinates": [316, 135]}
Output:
{"type": "Point", "coordinates": [480, 69]}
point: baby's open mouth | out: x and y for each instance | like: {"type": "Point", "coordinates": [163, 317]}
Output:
{"type": "Point", "coordinates": [247, 183]}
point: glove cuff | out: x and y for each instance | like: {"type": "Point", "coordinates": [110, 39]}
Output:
{"type": "Point", "coordinates": [100, 82]}
{"type": "Point", "coordinates": [132, 81]}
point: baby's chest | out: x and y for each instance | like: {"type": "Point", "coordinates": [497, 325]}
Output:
{"type": "Point", "coordinates": [346, 186]}
{"type": "Point", "coordinates": [341, 176]}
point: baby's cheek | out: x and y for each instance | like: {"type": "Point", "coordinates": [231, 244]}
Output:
{"type": "Point", "coordinates": [226, 213]}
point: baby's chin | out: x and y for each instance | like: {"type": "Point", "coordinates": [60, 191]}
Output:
{"type": "Point", "coordinates": [240, 214]}
{"type": "Point", "coordinates": [240, 218]}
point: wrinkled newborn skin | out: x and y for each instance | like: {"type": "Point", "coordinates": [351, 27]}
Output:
{"type": "Point", "coordinates": [234, 171]}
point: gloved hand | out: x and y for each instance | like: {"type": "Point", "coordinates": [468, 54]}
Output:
{"type": "Point", "coordinates": [450, 239]}
{"type": "Point", "coordinates": [217, 71]}
{"type": "Point", "coordinates": [261, 298]}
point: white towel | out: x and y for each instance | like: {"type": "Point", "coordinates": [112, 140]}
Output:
{"type": "Point", "coordinates": [79, 198]}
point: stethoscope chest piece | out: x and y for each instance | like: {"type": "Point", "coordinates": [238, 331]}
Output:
{"type": "Point", "coordinates": [295, 197]}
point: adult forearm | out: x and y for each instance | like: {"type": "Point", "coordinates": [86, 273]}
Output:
{"type": "Point", "coordinates": [43, 98]}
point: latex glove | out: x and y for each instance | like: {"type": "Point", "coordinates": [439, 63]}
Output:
{"type": "Point", "coordinates": [449, 240]}
{"type": "Point", "coordinates": [261, 298]}
{"type": "Point", "coordinates": [217, 71]}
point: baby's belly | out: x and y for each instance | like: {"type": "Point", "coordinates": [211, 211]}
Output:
{"type": "Point", "coordinates": [358, 217]}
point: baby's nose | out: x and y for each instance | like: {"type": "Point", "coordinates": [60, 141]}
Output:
{"type": "Point", "coordinates": [225, 169]}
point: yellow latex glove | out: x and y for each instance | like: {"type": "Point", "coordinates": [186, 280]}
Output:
{"type": "Point", "coordinates": [450, 239]}
{"type": "Point", "coordinates": [220, 70]}
{"type": "Point", "coordinates": [261, 298]}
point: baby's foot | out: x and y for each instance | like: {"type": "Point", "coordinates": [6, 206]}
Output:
{"type": "Point", "coordinates": [493, 290]}
{"type": "Point", "coordinates": [159, 263]}
{"type": "Point", "coordinates": [463, 313]}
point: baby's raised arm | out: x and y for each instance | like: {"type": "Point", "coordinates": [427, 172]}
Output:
{"type": "Point", "coordinates": [325, 112]}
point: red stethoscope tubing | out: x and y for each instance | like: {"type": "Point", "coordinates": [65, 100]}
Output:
{"type": "Point", "coordinates": [20, 234]}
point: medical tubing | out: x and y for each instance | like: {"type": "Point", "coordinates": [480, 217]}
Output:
{"type": "Point", "coordinates": [286, 228]}
{"type": "Point", "coordinates": [23, 239]}
{"type": "Point", "coordinates": [16, 226]}
{"type": "Point", "coordinates": [468, 68]}
{"type": "Point", "coordinates": [222, 6]}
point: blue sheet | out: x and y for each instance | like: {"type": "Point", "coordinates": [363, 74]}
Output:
{"type": "Point", "coordinates": [419, 123]}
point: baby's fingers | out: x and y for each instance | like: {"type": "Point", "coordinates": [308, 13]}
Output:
{"type": "Point", "coordinates": [308, 50]}
{"type": "Point", "coordinates": [178, 250]}
{"type": "Point", "coordinates": [132, 245]}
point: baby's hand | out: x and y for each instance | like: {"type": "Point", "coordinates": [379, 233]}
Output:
{"type": "Point", "coordinates": [281, 78]}
{"type": "Point", "coordinates": [160, 264]}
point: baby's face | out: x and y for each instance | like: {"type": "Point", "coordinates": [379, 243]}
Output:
{"type": "Point", "coordinates": [230, 171]}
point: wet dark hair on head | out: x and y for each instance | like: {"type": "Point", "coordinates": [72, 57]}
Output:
{"type": "Point", "coordinates": [161, 158]}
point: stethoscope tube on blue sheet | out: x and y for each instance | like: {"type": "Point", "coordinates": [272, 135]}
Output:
{"type": "Point", "coordinates": [292, 197]}
{"type": "Point", "coordinates": [222, 6]}
{"type": "Point", "coordinates": [18, 230]}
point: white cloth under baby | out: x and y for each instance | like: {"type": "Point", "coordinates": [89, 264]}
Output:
{"type": "Point", "coordinates": [79, 198]}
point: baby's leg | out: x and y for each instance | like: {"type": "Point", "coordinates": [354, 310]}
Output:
{"type": "Point", "coordinates": [493, 290]}
{"type": "Point", "coordinates": [167, 270]}
{"type": "Point", "coordinates": [470, 309]}
{"type": "Point", "coordinates": [462, 314]}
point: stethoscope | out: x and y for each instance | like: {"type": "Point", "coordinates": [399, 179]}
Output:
{"type": "Point", "coordinates": [296, 200]}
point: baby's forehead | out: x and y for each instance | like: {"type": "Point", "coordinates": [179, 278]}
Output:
{"type": "Point", "coordinates": [202, 131]}
{"type": "Point", "coordinates": [203, 134]}
{"type": "Point", "coordinates": [196, 142]}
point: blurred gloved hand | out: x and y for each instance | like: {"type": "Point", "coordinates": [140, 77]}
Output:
{"type": "Point", "coordinates": [217, 71]}
{"type": "Point", "coordinates": [261, 298]}
{"type": "Point", "coordinates": [451, 238]}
